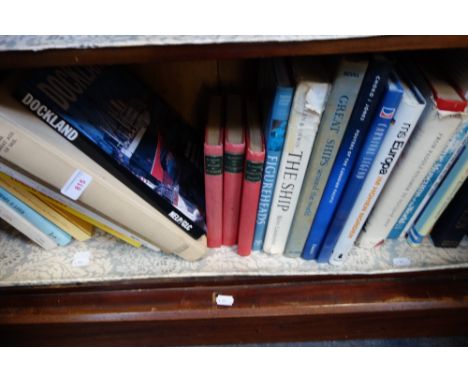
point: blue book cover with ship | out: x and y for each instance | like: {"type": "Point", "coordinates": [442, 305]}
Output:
{"type": "Point", "coordinates": [370, 95]}
{"type": "Point", "coordinates": [374, 139]}
{"type": "Point", "coordinates": [113, 118]}
{"type": "Point", "coordinates": [41, 223]}
{"type": "Point", "coordinates": [279, 107]}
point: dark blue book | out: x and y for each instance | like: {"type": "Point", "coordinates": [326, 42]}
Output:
{"type": "Point", "coordinates": [370, 95]}
{"type": "Point", "coordinates": [379, 127]}
{"type": "Point", "coordinates": [120, 124]}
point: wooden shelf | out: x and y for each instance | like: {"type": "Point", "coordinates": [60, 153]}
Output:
{"type": "Point", "coordinates": [184, 312]}
{"type": "Point", "coordinates": [266, 309]}
{"type": "Point", "coordinates": [146, 54]}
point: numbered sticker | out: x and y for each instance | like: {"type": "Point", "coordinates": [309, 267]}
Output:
{"type": "Point", "coordinates": [76, 185]}
{"type": "Point", "coordinates": [81, 259]}
{"type": "Point", "coordinates": [224, 300]}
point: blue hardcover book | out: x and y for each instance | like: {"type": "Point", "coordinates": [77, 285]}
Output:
{"type": "Point", "coordinates": [41, 223]}
{"type": "Point", "coordinates": [372, 90]}
{"type": "Point", "coordinates": [275, 133]}
{"type": "Point", "coordinates": [120, 124]}
{"type": "Point", "coordinates": [374, 139]}
{"type": "Point", "coordinates": [430, 182]}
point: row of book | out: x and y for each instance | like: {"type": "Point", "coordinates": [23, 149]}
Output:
{"type": "Point", "coordinates": [356, 150]}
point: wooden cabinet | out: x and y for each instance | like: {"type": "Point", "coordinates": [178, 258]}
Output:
{"type": "Point", "coordinates": [266, 309]}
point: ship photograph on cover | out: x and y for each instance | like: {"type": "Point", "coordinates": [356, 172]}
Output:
{"type": "Point", "coordinates": [136, 130]}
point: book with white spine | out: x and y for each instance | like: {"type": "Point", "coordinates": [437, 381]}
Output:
{"type": "Point", "coordinates": [411, 107]}
{"type": "Point", "coordinates": [310, 97]}
{"type": "Point", "coordinates": [439, 122]}
{"type": "Point", "coordinates": [28, 229]}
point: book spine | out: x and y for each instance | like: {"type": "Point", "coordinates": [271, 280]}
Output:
{"type": "Point", "coordinates": [440, 200]}
{"type": "Point", "coordinates": [71, 206]}
{"type": "Point", "coordinates": [214, 194]}
{"type": "Point", "coordinates": [406, 118]}
{"type": "Point", "coordinates": [51, 116]}
{"type": "Point", "coordinates": [429, 139]}
{"type": "Point", "coordinates": [232, 191]}
{"type": "Point", "coordinates": [302, 129]}
{"type": "Point", "coordinates": [452, 225]}
{"type": "Point", "coordinates": [374, 85]}
{"type": "Point", "coordinates": [337, 112]}
{"type": "Point", "coordinates": [274, 137]}
{"type": "Point", "coordinates": [250, 198]}
{"type": "Point", "coordinates": [16, 220]}
{"type": "Point", "coordinates": [430, 182]}
{"type": "Point", "coordinates": [370, 148]}
{"type": "Point", "coordinates": [49, 229]}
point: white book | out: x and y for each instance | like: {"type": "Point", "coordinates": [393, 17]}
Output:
{"type": "Point", "coordinates": [34, 147]}
{"type": "Point", "coordinates": [28, 229]}
{"type": "Point", "coordinates": [437, 125]}
{"type": "Point", "coordinates": [308, 105]}
{"type": "Point", "coordinates": [406, 118]}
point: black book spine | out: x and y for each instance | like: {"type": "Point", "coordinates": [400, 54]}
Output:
{"type": "Point", "coordinates": [453, 223]}
{"type": "Point", "coordinates": [62, 127]}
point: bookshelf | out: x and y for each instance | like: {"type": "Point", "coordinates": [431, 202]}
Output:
{"type": "Point", "coordinates": [425, 301]}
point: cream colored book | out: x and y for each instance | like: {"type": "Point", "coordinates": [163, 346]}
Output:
{"type": "Point", "coordinates": [65, 204]}
{"type": "Point", "coordinates": [33, 146]}
{"type": "Point", "coordinates": [28, 229]}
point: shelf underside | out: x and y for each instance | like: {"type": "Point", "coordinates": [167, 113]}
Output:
{"type": "Point", "coordinates": [128, 54]}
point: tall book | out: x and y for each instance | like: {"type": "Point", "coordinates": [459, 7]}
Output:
{"type": "Point", "coordinates": [34, 147]}
{"type": "Point", "coordinates": [254, 161]}
{"type": "Point", "coordinates": [437, 125]}
{"type": "Point", "coordinates": [406, 118]}
{"type": "Point", "coordinates": [343, 95]}
{"type": "Point", "coordinates": [49, 229]}
{"type": "Point", "coordinates": [372, 90]}
{"type": "Point", "coordinates": [76, 208]}
{"type": "Point", "coordinates": [440, 200]}
{"type": "Point", "coordinates": [452, 225]}
{"type": "Point", "coordinates": [374, 139]}
{"type": "Point", "coordinates": [213, 150]}
{"type": "Point", "coordinates": [430, 183]}
{"type": "Point", "coordinates": [61, 219]}
{"type": "Point", "coordinates": [277, 90]}
{"type": "Point", "coordinates": [310, 97]}
{"type": "Point", "coordinates": [234, 154]}
{"type": "Point", "coordinates": [129, 131]}
{"type": "Point", "coordinates": [18, 221]}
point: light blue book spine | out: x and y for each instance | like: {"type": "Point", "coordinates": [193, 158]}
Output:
{"type": "Point", "coordinates": [430, 182]}
{"type": "Point", "coordinates": [51, 230]}
{"type": "Point", "coordinates": [440, 200]}
{"type": "Point", "coordinates": [274, 135]}
{"type": "Point", "coordinates": [371, 146]}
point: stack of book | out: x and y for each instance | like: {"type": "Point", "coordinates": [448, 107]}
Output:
{"type": "Point", "coordinates": [356, 151]}
{"type": "Point", "coordinates": [95, 143]}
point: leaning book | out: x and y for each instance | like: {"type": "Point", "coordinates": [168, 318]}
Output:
{"type": "Point", "coordinates": [32, 146]}
{"type": "Point", "coordinates": [115, 120]}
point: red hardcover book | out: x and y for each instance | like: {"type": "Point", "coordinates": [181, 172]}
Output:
{"type": "Point", "coordinates": [213, 150]}
{"type": "Point", "coordinates": [234, 152]}
{"type": "Point", "coordinates": [254, 160]}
